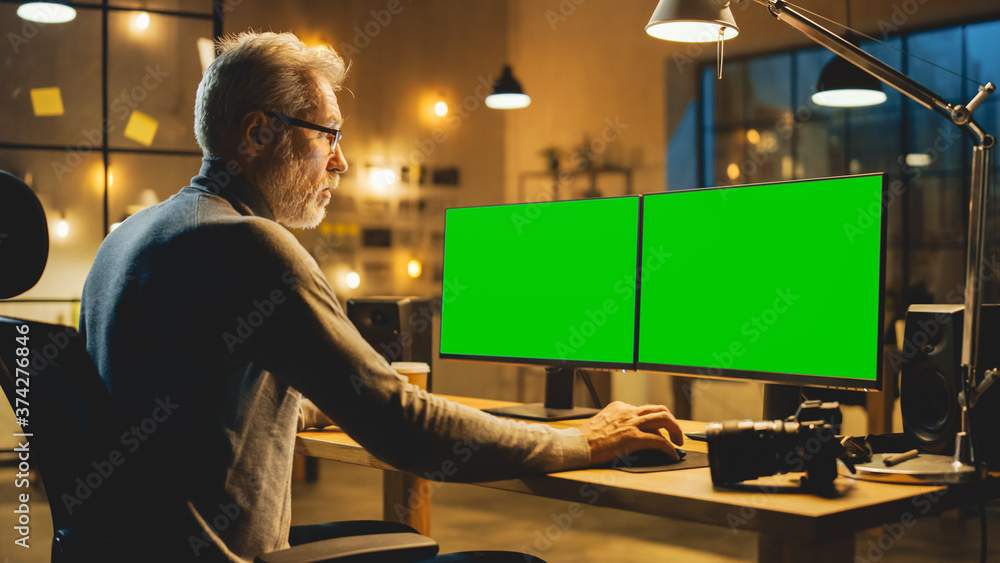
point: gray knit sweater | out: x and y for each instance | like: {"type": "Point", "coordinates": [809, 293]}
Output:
{"type": "Point", "coordinates": [209, 322]}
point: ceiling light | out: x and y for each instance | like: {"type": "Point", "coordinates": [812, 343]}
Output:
{"type": "Point", "coordinates": [843, 85]}
{"type": "Point", "coordinates": [46, 12]}
{"type": "Point", "coordinates": [507, 92]}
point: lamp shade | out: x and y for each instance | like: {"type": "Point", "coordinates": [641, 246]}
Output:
{"type": "Point", "coordinates": [46, 12]}
{"type": "Point", "coordinates": [843, 85]}
{"type": "Point", "coordinates": [692, 21]}
{"type": "Point", "coordinates": [507, 92]}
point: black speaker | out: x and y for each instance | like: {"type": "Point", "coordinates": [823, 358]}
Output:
{"type": "Point", "coordinates": [930, 380]}
{"type": "Point", "coordinates": [399, 328]}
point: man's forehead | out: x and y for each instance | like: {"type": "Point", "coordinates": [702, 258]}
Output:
{"type": "Point", "coordinates": [331, 110]}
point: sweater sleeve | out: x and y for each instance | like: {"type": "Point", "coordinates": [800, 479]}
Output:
{"type": "Point", "coordinates": [307, 341]}
{"type": "Point", "coordinates": [311, 417]}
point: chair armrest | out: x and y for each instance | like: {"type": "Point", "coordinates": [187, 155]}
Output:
{"type": "Point", "coordinates": [383, 548]}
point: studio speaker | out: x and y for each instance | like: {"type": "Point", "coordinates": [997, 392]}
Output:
{"type": "Point", "coordinates": [399, 328]}
{"type": "Point", "coordinates": [930, 380]}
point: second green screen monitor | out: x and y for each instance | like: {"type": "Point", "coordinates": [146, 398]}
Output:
{"type": "Point", "coordinates": [776, 282]}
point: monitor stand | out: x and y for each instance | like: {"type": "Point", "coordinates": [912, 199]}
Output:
{"type": "Point", "coordinates": [558, 403]}
{"type": "Point", "coordinates": [781, 401]}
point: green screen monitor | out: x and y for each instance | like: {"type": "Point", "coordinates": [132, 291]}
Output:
{"type": "Point", "coordinates": [780, 282]}
{"type": "Point", "coordinates": [549, 283]}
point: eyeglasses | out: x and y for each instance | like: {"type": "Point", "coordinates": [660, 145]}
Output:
{"type": "Point", "coordinates": [333, 135]}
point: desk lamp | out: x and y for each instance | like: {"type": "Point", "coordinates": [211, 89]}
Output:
{"type": "Point", "coordinates": [712, 20]}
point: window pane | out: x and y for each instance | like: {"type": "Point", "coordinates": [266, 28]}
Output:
{"type": "Point", "coordinates": [153, 76]}
{"type": "Point", "coordinates": [66, 56]}
{"type": "Point", "coordinates": [873, 141]}
{"type": "Point", "coordinates": [708, 127]}
{"type": "Point", "coordinates": [982, 63]}
{"type": "Point", "coordinates": [808, 66]}
{"type": "Point", "coordinates": [820, 147]}
{"type": "Point", "coordinates": [943, 48]}
{"type": "Point", "coordinates": [769, 88]}
{"type": "Point", "coordinates": [729, 156]}
{"type": "Point", "coordinates": [143, 180]}
{"type": "Point", "coordinates": [938, 210]}
{"type": "Point", "coordinates": [730, 94]}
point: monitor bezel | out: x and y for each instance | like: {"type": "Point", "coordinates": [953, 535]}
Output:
{"type": "Point", "coordinates": [808, 380]}
{"type": "Point", "coordinates": [553, 362]}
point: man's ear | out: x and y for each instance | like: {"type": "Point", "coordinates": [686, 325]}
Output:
{"type": "Point", "coordinates": [254, 134]}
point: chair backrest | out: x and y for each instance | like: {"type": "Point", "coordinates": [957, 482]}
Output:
{"type": "Point", "coordinates": [24, 237]}
{"type": "Point", "coordinates": [71, 431]}
{"type": "Point", "coordinates": [62, 405]}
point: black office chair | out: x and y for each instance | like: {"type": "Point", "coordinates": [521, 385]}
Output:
{"type": "Point", "coordinates": [58, 396]}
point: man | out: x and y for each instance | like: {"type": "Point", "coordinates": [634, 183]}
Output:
{"type": "Point", "coordinates": [206, 316]}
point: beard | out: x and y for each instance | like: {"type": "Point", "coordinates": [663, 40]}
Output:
{"type": "Point", "coordinates": [296, 202]}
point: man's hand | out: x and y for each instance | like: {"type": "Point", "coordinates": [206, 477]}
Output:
{"type": "Point", "coordinates": [621, 429]}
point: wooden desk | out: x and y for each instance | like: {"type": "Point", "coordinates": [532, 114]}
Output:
{"type": "Point", "coordinates": [793, 526]}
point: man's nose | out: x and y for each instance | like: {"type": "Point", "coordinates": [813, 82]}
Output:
{"type": "Point", "coordinates": [337, 162]}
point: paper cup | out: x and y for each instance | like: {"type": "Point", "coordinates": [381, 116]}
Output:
{"type": "Point", "coordinates": [416, 372]}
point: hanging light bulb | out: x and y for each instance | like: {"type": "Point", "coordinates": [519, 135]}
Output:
{"type": "Point", "coordinates": [46, 12]}
{"type": "Point", "coordinates": [507, 92]}
{"type": "Point", "coordinates": [843, 85]}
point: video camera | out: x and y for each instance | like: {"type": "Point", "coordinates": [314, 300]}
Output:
{"type": "Point", "coordinates": [741, 450]}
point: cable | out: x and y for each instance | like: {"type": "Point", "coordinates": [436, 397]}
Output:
{"type": "Point", "coordinates": [846, 28]}
{"type": "Point", "coordinates": [585, 375]}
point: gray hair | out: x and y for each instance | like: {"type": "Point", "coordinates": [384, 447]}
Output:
{"type": "Point", "coordinates": [259, 71]}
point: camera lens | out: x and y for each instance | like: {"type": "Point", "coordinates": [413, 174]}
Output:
{"type": "Point", "coordinates": [741, 450]}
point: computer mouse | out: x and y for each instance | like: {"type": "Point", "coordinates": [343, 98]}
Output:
{"type": "Point", "coordinates": [652, 458]}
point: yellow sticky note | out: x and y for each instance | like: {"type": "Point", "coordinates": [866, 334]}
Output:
{"type": "Point", "coordinates": [141, 128]}
{"type": "Point", "coordinates": [47, 101]}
